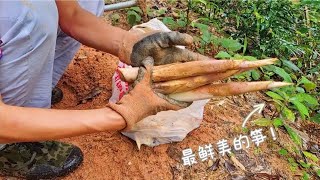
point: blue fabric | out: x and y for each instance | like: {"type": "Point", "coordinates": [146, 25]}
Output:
{"type": "Point", "coordinates": [35, 51]}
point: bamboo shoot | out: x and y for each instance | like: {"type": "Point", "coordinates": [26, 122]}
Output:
{"type": "Point", "coordinates": [225, 89]}
{"type": "Point", "coordinates": [189, 83]}
{"type": "Point", "coordinates": [194, 68]}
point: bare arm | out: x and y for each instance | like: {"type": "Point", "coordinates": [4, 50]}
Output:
{"type": "Point", "coordinates": [21, 124]}
{"type": "Point", "coordinates": [131, 48]}
{"type": "Point", "coordinates": [88, 29]}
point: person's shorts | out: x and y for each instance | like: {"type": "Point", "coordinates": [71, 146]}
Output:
{"type": "Point", "coordinates": [35, 51]}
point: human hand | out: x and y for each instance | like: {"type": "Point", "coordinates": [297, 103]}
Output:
{"type": "Point", "coordinates": [161, 46]}
{"type": "Point", "coordinates": [142, 101]}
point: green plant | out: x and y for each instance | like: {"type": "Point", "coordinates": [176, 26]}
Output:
{"type": "Point", "coordinates": [305, 176]}
{"type": "Point", "coordinates": [266, 29]}
{"type": "Point", "coordinates": [175, 24]}
{"type": "Point", "coordinates": [134, 15]}
{"type": "Point", "coordinates": [294, 98]}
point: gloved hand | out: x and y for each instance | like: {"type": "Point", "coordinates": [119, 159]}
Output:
{"type": "Point", "coordinates": [142, 101]}
{"type": "Point", "coordinates": [161, 46]}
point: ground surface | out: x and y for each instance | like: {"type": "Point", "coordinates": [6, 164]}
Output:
{"type": "Point", "coordinates": [110, 155]}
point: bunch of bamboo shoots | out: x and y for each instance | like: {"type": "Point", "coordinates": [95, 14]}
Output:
{"type": "Point", "coordinates": [197, 80]}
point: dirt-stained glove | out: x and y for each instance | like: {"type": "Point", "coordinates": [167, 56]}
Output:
{"type": "Point", "coordinates": [161, 46]}
{"type": "Point", "coordinates": [142, 101]}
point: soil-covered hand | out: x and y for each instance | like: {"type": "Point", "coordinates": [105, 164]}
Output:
{"type": "Point", "coordinates": [161, 46]}
{"type": "Point", "coordinates": [142, 101]}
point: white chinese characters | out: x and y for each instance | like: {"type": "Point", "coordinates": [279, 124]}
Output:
{"type": "Point", "coordinates": [205, 152]}
{"type": "Point", "coordinates": [188, 157]}
{"type": "Point", "coordinates": [223, 148]}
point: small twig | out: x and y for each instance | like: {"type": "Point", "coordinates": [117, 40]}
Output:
{"type": "Point", "coordinates": [308, 20]}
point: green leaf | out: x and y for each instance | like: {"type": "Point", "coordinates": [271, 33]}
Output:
{"type": "Point", "coordinates": [262, 122]}
{"type": "Point", "coordinates": [316, 118]}
{"type": "Point", "coordinates": [231, 44]}
{"type": "Point", "coordinates": [303, 97]}
{"type": "Point", "coordinates": [133, 17]}
{"type": "Point", "coordinates": [245, 45]}
{"type": "Point", "coordinates": [274, 95]}
{"type": "Point", "coordinates": [249, 58]}
{"type": "Point", "coordinates": [290, 65]}
{"type": "Point", "coordinates": [293, 164]}
{"type": "Point", "coordinates": [293, 135]}
{"type": "Point", "coordinates": [150, 12]}
{"type": "Point", "coordinates": [288, 114]}
{"type": "Point", "coordinates": [206, 36]}
{"type": "Point", "coordinates": [282, 73]}
{"type": "Point", "coordinates": [277, 122]}
{"type": "Point", "coordinates": [202, 27]}
{"type": "Point", "coordinates": [304, 165]}
{"type": "Point", "coordinates": [182, 23]}
{"type": "Point", "coordinates": [303, 110]}
{"type": "Point", "coordinates": [318, 172]}
{"type": "Point", "coordinates": [291, 160]}
{"type": "Point", "coordinates": [279, 102]}
{"type": "Point", "coordinates": [283, 92]}
{"type": "Point", "coordinates": [279, 71]}
{"type": "Point", "coordinates": [161, 11]}
{"type": "Point", "coordinates": [237, 57]}
{"type": "Point", "coordinates": [310, 156]}
{"type": "Point", "coordinates": [308, 85]}
{"type": "Point", "coordinates": [255, 74]}
{"type": "Point", "coordinates": [200, 1]}
{"type": "Point", "coordinates": [283, 152]}
{"type": "Point", "coordinates": [223, 55]}
{"type": "Point", "coordinates": [245, 130]}
{"type": "Point", "coordinates": [137, 9]}
{"type": "Point", "coordinates": [300, 90]}
{"type": "Point", "coordinates": [168, 20]}
{"type": "Point", "coordinates": [305, 176]}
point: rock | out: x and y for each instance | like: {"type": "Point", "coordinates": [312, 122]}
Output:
{"type": "Point", "coordinates": [210, 163]}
